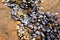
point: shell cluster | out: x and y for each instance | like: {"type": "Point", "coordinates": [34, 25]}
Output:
{"type": "Point", "coordinates": [42, 24]}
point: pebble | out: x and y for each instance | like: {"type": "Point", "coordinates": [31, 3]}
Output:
{"type": "Point", "coordinates": [37, 32]}
{"type": "Point", "coordinates": [31, 26]}
{"type": "Point", "coordinates": [48, 29]}
{"type": "Point", "coordinates": [21, 25]}
{"type": "Point", "coordinates": [33, 39]}
{"type": "Point", "coordinates": [24, 1]}
{"type": "Point", "coordinates": [42, 34]}
{"type": "Point", "coordinates": [37, 23]}
{"type": "Point", "coordinates": [34, 35]}
{"type": "Point", "coordinates": [42, 1]}
{"type": "Point", "coordinates": [24, 6]}
{"type": "Point", "coordinates": [52, 36]}
{"type": "Point", "coordinates": [40, 26]}
{"type": "Point", "coordinates": [17, 27]}
{"type": "Point", "coordinates": [14, 17]}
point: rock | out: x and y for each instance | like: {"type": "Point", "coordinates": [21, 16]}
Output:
{"type": "Point", "coordinates": [7, 24]}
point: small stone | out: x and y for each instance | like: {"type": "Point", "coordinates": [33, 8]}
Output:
{"type": "Point", "coordinates": [24, 1]}
{"type": "Point", "coordinates": [42, 34]}
{"type": "Point", "coordinates": [21, 25]}
{"type": "Point", "coordinates": [37, 32]}
{"type": "Point", "coordinates": [33, 39]}
{"type": "Point", "coordinates": [41, 8]}
{"type": "Point", "coordinates": [42, 1]}
{"type": "Point", "coordinates": [17, 27]}
{"type": "Point", "coordinates": [37, 24]}
{"type": "Point", "coordinates": [56, 13]}
{"type": "Point", "coordinates": [48, 29]}
{"type": "Point", "coordinates": [25, 21]}
{"type": "Point", "coordinates": [41, 26]}
{"type": "Point", "coordinates": [52, 36]}
{"type": "Point", "coordinates": [34, 35]}
{"type": "Point", "coordinates": [18, 22]}
{"type": "Point", "coordinates": [24, 6]}
{"type": "Point", "coordinates": [30, 26]}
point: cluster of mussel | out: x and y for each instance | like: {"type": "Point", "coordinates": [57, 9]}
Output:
{"type": "Point", "coordinates": [45, 22]}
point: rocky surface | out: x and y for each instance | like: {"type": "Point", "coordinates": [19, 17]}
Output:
{"type": "Point", "coordinates": [51, 6]}
{"type": "Point", "coordinates": [8, 29]}
{"type": "Point", "coordinates": [7, 24]}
